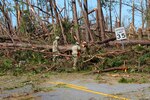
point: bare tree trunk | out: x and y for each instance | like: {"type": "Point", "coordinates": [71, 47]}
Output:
{"type": "Point", "coordinates": [97, 24]}
{"type": "Point", "coordinates": [110, 16]}
{"type": "Point", "coordinates": [17, 13]}
{"type": "Point", "coordinates": [142, 14]}
{"type": "Point", "coordinates": [55, 10]}
{"type": "Point", "coordinates": [65, 9]}
{"type": "Point", "coordinates": [53, 22]}
{"type": "Point", "coordinates": [58, 20]}
{"type": "Point", "coordinates": [75, 19]}
{"type": "Point", "coordinates": [87, 20]}
{"type": "Point", "coordinates": [62, 30]}
{"type": "Point", "coordinates": [8, 20]}
{"type": "Point", "coordinates": [148, 13]}
{"type": "Point", "coordinates": [120, 13]}
{"type": "Point", "coordinates": [47, 10]}
{"type": "Point", "coordinates": [101, 19]}
{"type": "Point", "coordinates": [133, 12]}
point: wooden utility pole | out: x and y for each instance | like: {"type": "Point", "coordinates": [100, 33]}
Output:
{"type": "Point", "coordinates": [101, 19]}
{"type": "Point", "coordinates": [75, 19]}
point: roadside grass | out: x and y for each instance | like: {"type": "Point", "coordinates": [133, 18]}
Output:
{"type": "Point", "coordinates": [125, 80]}
{"type": "Point", "coordinates": [61, 86]}
{"type": "Point", "coordinates": [44, 89]}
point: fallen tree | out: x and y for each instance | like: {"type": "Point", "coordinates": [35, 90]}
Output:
{"type": "Point", "coordinates": [33, 46]}
{"type": "Point", "coordinates": [131, 42]}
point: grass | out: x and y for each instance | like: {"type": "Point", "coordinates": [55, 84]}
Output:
{"type": "Point", "coordinates": [61, 86]}
{"type": "Point", "coordinates": [44, 89]}
{"type": "Point", "coordinates": [125, 80]}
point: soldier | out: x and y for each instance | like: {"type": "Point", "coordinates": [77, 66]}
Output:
{"type": "Point", "coordinates": [85, 47]}
{"type": "Point", "coordinates": [75, 53]}
{"type": "Point", "coordinates": [55, 48]}
{"type": "Point", "coordinates": [132, 31]}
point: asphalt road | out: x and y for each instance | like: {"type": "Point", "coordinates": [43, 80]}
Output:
{"type": "Point", "coordinates": [81, 88]}
{"type": "Point", "coordinates": [94, 91]}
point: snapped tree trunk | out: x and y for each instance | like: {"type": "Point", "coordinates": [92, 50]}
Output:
{"type": "Point", "coordinates": [85, 21]}
{"type": "Point", "coordinates": [75, 19]}
{"type": "Point", "coordinates": [18, 14]}
{"type": "Point", "coordinates": [101, 20]}
{"type": "Point", "coordinates": [148, 10]}
{"type": "Point", "coordinates": [8, 20]}
{"type": "Point", "coordinates": [110, 16]}
{"type": "Point", "coordinates": [97, 24]}
{"type": "Point", "coordinates": [120, 13]}
{"type": "Point", "coordinates": [133, 12]}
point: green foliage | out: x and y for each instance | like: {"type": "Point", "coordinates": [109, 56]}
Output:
{"type": "Point", "coordinates": [30, 57]}
{"type": "Point", "coordinates": [113, 62]}
{"type": "Point", "coordinates": [67, 26]}
{"type": "Point", "coordinates": [7, 63]}
{"type": "Point", "coordinates": [139, 48]}
{"type": "Point", "coordinates": [27, 22]}
{"type": "Point", "coordinates": [144, 58]}
{"type": "Point", "coordinates": [124, 80]}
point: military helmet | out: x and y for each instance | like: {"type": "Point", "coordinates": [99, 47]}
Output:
{"type": "Point", "coordinates": [77, 43]}
{"type": "Point", "coordinates": [57, 37]}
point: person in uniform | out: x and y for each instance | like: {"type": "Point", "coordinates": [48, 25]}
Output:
{"type": "Point", "coordinates": [75, 54]}
{"type": "Point", "coordinates": [55, 48]}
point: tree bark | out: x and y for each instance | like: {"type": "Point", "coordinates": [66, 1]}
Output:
{"type": "Point", "coordinates": [101, 20]}
{"type": "Point", "coordinates": [120, 13]}
{"type": "Point", "coordinates": [133, 12]}
{"type": "Point", "coordinates": [18, 14]}
{"type": "Point", "coordinates": [8, 20]}
{"type": "Point", "coordinates": [75, 19]}
{"type": "Point", "coordinates": [131, 42]}
{"type": "Point", "coordinates": [97, 24]}
{"type": "Point", "coordinates": [110, 16]}
{"type": "Point", "coordinates": [85, 21]}
{"type": "Point", "coordinates": [55, 10]}
{"type": "Point", "coordinates": [148, 10]}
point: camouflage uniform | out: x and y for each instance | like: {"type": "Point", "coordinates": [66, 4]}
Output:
{"type": "Point", "coordinates": [55, 48]}
{"type": "Point", "coordinates": [75, 52]}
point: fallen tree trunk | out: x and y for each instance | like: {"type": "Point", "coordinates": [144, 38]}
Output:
{"type": "Point", "coordinates": [114, 68]}
{"type": "Point", "coordinates": [33, 46]}
{"type": "Point", "coordinates": [107, 40]}
{"type": "Point", "coordinates": [111, 69]}
{"type": "Point", "coordinates": [131, 42]}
